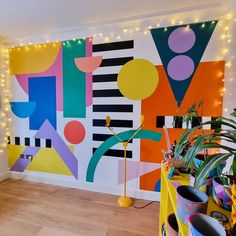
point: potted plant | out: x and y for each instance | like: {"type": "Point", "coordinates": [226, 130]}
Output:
{"type": "Point", "coordinates": [191, 116]}
{"type": "Point", "coordinates": [222, 138]}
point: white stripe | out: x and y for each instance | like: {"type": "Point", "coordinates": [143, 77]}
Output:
{"type": "Point", "coordinates": [169, 121]}
{"type": "Point", "coordinates": [184, 125]}
{"type": "Point", "coordinates": [32, 142]}
{"type": "Point", "coordinates": [42, 142]}
{"type": "Point", "coordinates": [204, 119]}
{"type": "Point", "coordinates": [114, 115]}
{"type": "Point", "coordinates": [117, 53]}
{"type": "Point", "coordinates": [105, 130]}
{"type": "Point", "coordinates": [12, 142]}
{"type": "Point", "coordinates": [111, 101]}
{"type": "Point", "coordinates": [105, 85]}
{"type": "Point", "coordinates": [107, 70]}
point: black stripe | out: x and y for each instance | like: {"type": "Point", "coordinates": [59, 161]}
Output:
{"type": "Point", "coordinates": [104, 137]}
{"type": "Point", "coordinates": [178, 121]}
{"type": "Point", "coordinates": [116, 153]}
{"type": "Point", "coordinates": [113, 46]}
{"type": "Point", "coordinates": [101, 137]}
{"type": "Point", "coordinates": [17, 140]}
{"type": "Point", "coordinates": [112, 108]}
{"type": "Point", "coordinates": [196, 120]}
{"type": "Point", "coordinates": [105, 78]}
{"type": "Point", "coordinates": [22, 155]}
{"type": "Point", "coordinates": [37, 142]}
{"type": "Point", "coordinates": [27, 141]}
{"type": "Point", "coordinates": [8, 140]}
{"type": "Point", "coordinates": [107, 93]}
{"type": "Point", "coordinates": [114, 123]}
{"type": "Point", "coordinates": [48, 143]}
{"type": "Point", "coordinates": [115, 61]}
{"type": "Point", "coordinates": [215, 126]}
{"type": "Point", "coordinates": [160, 121]}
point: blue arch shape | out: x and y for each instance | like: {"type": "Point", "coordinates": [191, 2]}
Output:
{"type": "Point", "coordinates": [146, 134]}
{"type": "Point", "coordinates": [23, 109]}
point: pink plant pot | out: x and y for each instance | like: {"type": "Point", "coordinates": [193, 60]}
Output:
{"type": "Point", "coordinates": [189, 202]}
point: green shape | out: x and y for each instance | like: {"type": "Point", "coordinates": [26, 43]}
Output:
{"type": "Point", "coordinates": [146, 134]}
{"type": "Point", "coordinates": [74, 80]}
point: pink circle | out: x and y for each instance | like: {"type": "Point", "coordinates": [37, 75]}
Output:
{"type": "Point", "coordinates": [181, 39]}
{"type": "Point", "coordinates": [74, 132]}
{"type": "Point", "coordinates": [180, 67]}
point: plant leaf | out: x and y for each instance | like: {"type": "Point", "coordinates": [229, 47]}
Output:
{"type": "Point", "coordinates": [183, 142]}
{"type": "Point", "coordinates": [219, 121]}
{"type": "Point", "coordinates": [194, 150]}
{"type": "Point", "coordinates": [209, 164]}
{"type": "Point", "coordinates": [234, 165]}
{"type": "Point", "coordinates": [227, 119]}
{"type": "Point", "coordinates": [233, 113]}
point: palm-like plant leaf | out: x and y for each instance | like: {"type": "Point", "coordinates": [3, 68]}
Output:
{"type": "Point", "coordinates": [229, 120]}
{"type": "Point", "coordinates": [219, 121]}
{"type": "Point", "coordinates": [183, 142]}
{"type": "Point", "coordinates": [194, 150]}
{"type": "Point", "coordinates": [209, 164]}
{"type": "Point", "coordinates": [217, 145]}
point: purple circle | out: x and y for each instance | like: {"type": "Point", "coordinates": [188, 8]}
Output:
{"type": "Point", "coordinates": [180, 67]}
{"type": "Point", "coordinates": [181, 39]}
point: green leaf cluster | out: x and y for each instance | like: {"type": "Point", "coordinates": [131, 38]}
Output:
{"type": "Point", "coordinates": [223, 138]}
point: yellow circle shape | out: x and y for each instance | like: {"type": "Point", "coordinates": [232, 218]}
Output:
{"type": "Point", "coordinates": [138, 79]}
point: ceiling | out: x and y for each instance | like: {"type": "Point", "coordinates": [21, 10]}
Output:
{"type": "Point", "coordinates": [21, 19]}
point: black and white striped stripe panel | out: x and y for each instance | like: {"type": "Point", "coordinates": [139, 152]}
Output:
{"type": "Point", "coordinates": [107, 99]}
{"type": "Point", "coordinates": [33, 142]}
{"type": "Point", "coordinates": [177, 122]}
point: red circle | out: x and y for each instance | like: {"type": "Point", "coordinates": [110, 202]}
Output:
{"type": "Point", "coordinates": [74, 132]}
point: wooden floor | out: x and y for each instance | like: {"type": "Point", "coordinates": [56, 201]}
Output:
{"type": "Point", "coordinates": [32, 209]}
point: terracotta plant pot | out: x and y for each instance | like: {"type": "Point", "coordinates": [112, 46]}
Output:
{"type": "Point", "coordinates": [200, 225]}
{"type": "Point", "coordinates": [189, 202]}
{"type": "Point", "coordinates": [172, 225]}
{"type": "Point", "coordinates": [221, 194]}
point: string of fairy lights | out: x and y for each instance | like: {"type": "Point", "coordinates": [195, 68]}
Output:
{"type": "Point", "coordinates": [226, 38]}
{"type": "Point", "coordinates": [5, 93]}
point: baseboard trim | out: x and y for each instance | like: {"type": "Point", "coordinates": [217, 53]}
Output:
{"type": "Point", "coordinates": [69, 181]}
{"type": "Point", "coordinates": [4, 176]}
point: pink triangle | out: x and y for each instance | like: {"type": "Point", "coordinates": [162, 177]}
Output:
{"type": "Point", "coordinates": [135, 169]}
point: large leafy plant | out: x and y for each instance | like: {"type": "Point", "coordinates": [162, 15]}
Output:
{"type": "Point", "coordinates": [223, 138]}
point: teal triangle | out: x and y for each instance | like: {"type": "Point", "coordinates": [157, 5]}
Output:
{"type": "Point", "coordinates": [181, 55]}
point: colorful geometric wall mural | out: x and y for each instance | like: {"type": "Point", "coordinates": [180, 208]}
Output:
{"type": "Point", "coordinates": [65, 90]}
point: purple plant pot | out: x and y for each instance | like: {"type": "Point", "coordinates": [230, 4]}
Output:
{"type": "Point", "coordinates": [221, 194]}
{"type": "Point", "coordinates": [172, 225]}
{"type": "Point", "coordinates": [189, 202]}
{"type": "Point", "coordinates": [200, 225]}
